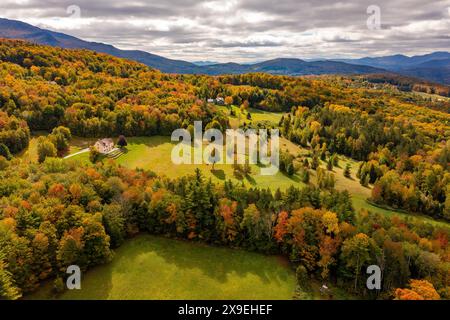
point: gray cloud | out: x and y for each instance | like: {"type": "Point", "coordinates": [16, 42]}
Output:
{"type": "Point", "coordinates": [246, 30]}
{"type": "Point", "coordinates": [245, 44]}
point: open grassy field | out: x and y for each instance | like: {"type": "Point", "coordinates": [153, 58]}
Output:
{"type": "Point", "coordinates": [154, 153]}
{"type": "Point", "coordinates": [257, 116]}
{"type": "Point", "coordinates": [155, 268]}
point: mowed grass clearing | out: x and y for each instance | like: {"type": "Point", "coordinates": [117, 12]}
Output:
{"type": "Point", "coordinates": [154, 153]}
{"type": "Point", "coordinates": [257, 116]}
{"type": "Point", "coordinates": [155, 268]}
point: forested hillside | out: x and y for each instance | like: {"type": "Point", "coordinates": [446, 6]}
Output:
{"type": "Point", "coordinates": [92, 94]}
{"type": "Point", "coordinates": [58, 212]}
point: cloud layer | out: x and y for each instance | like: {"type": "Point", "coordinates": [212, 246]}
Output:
{"type": "Point", "coordinates": [247, 30]}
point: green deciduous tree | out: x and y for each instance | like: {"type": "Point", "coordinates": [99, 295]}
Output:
{"type": "Point", "coordinates": [358, 252]}
{"type": "Point", "coordinates": [45, 149]}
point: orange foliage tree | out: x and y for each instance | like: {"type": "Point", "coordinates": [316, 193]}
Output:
{"type": "Point", "coordinates": [419, 290]}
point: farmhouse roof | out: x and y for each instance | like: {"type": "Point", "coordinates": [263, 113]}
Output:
{"type": "Point", "coordinates": [106, 141]}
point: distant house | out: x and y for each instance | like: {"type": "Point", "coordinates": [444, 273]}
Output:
{"type": "Point", "coordinates": [220, 101]}
{"type": "Point", "coordinates": [104, 146]}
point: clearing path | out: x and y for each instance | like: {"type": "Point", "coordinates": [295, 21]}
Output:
{"type": "Point", "coordinates": [77, 153]}
{"type": "Point", "coordinates": [114, 153]}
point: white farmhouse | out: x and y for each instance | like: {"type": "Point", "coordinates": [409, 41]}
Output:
{"type": "Point", "coordinates": [220, 101]}
{"type": "Point", "coordinates": [104, 145]}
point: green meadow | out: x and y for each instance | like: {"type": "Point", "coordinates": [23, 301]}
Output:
{"type": "Point", "coordinates": [155, 268]}
{"type": "Point", "coordinates": [257, 116]}
{"type": "Point", "coordinates": [154, 153]}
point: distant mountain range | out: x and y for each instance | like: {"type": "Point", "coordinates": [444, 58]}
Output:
{"type": "Point", "coordinates": [204, 63]}
{"type": "Point", "coordinates": [433, 67]}
{"type": "Point", "coordinates": [292, 67]}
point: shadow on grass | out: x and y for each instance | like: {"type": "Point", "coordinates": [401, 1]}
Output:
{"type": "Point", "coordinates": [250, 179]}
{"type": "Point", "coordinates": [294, 178]}
{"type": "Point", "coordinates": [200, 255]}
{"type": "Point", "coordinates": [217, 263]}
{"type": "Point", "coordinates": [124, 150]}
{"type": "Point", "coordinates": [99, 278]}
{"type": "Point", "coordinates": [219, 174]}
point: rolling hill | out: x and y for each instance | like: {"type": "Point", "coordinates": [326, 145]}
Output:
{"type": "Point", "coordinates": [20, 30]}
{"type": "Point", "coordinates": [292, 67]}
{"type": "Point", "coordinates": [434, 70]}
{"type": "Point", "coordinates": [398, 61]}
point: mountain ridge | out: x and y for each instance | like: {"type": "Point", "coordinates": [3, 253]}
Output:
{"type": "Point", "coordinates": [432, 67]}
{"type": "Point", "coordinates": [22, 30]}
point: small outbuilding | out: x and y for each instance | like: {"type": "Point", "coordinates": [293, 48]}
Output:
{"type": "Point", "coordinates": [220, 101]}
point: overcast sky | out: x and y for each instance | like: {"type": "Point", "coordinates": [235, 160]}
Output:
{"type": "Point", "coordinates": [246, 30]}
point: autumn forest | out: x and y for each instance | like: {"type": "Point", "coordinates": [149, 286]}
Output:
{"type": "Point", "coordinates": [392, 143]}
